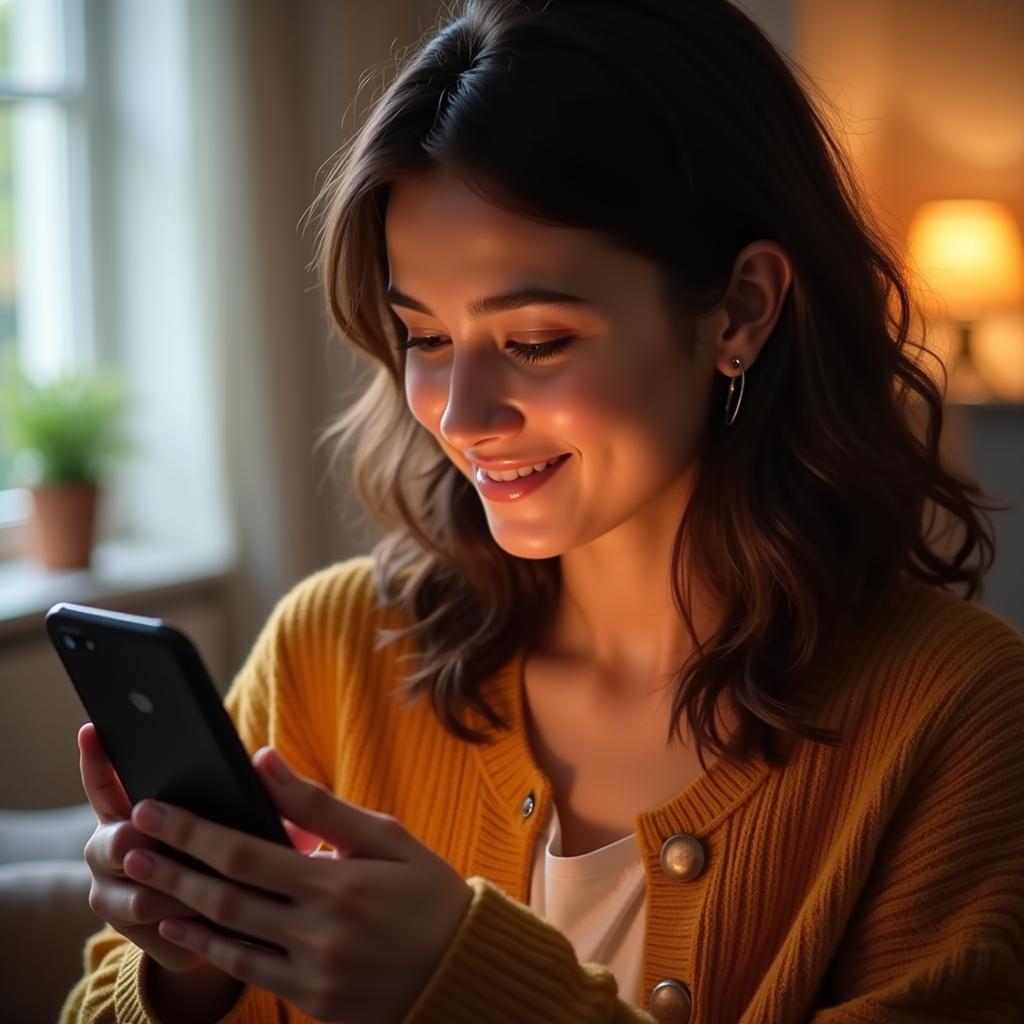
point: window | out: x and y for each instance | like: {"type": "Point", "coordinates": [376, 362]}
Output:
{"type": "Point", "coordinates": [44, 305]}
{"type": "Point", "coordinates": [149, 147]}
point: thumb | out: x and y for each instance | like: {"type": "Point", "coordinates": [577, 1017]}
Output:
{"type": "Point", "coordinates": [351, 829]}
{"type": "Point", "coordinates": [303, 841]}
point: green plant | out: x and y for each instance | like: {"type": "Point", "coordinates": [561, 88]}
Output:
{"type": "Point", "coordinates": [65, 430]}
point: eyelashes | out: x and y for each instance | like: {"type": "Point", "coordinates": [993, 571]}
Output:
{"type": "Point", "coordinates": [527, 353]}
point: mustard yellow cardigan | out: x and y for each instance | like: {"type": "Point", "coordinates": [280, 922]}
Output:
{"type": "Point", "coordinates": [880, 882]}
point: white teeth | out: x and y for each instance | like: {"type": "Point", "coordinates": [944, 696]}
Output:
{"type": "Point", "coordinates": [513, 474]}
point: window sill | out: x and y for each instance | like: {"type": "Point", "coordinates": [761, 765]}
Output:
{"type": "Point", "coordinates": [119, 570]}
{"type": "Point", "coordinates": [15, 506]}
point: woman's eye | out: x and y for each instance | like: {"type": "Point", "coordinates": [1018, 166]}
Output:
{"type": "Point", "coordinates": [422, 344]}
{"type": "Point", "coordinates": [527, 353]}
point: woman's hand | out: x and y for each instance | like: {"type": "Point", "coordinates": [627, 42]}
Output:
{"type": "Point", "coordinates": [364, 928]}
{"type": "Point", "coordinates": [132, 909]}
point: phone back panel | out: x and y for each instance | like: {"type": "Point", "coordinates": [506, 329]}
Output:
{"type": "Point", "coordinates": [160, 718]}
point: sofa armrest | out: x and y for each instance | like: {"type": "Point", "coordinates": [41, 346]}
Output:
{"type": "Point", "coordinates": [44, 907]}
{"type": "Point", "coordinates": [44, 921]}
{"type": "Point", "coordinates": [58, 833]}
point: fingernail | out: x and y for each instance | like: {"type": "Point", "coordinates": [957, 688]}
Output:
{"type": "Point", "coordinates": [150, 816]}
{"type": "Point", "coordinates": [140, 864]}
{"type": "Point", "coordinates": [277, 767]}
{"type": "Point", "coordinates": [171, 929]}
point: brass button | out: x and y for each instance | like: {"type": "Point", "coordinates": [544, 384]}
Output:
{"type": "Point", "coordinates": [528, 805]}
{"type": "Point", "coordinates": [682, 857]}
{"type": "Point", "coordinates": [670, 1002]}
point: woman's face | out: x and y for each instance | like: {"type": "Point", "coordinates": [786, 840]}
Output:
{"type": "Point", "coordinates": [620, 400]}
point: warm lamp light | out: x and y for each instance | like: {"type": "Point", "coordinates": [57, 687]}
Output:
{"type": "Point", "coordinates": [970, 257]}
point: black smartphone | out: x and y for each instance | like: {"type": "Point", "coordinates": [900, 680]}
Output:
{"type": "Point", "coordinates": [163, 724]}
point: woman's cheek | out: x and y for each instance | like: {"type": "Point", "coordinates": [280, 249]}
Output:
{"type": "Point", "coordinates": [580, 405]}
{"type": "Point", "coordinates": [425, 397]}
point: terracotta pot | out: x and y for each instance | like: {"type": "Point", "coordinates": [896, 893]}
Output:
{"type": "Point", "coordinates": [63, 524]}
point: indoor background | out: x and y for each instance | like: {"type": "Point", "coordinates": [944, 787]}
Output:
{"type": "Point", "coordinates": [162, 231]}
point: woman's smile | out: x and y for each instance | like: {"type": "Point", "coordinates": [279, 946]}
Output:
{"type": "Point", "coordinates": [517, 484]}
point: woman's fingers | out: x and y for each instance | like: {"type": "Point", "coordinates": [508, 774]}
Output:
{"type": "Point", "coordinates": [102, 786]}
{"type": "Point", "coordinates": [105, 851]}
{"type": "Point", "coordinates": [163, 951]}
{"type": "Point", "coordinates": [303, 841]}
{"type": "Point", "coordinates": [130, 904]}
{"type": "Point", "coordinates": [132, 909]}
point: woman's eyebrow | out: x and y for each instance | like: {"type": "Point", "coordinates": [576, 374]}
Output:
{"type": "Point", "coordinates": [530, 295]}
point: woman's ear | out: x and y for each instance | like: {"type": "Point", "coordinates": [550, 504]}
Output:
{"type": "Point", "coordinates": [752, 303]}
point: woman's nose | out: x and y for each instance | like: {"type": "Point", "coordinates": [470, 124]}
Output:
{"type": "Point", "coordinates": [479, 404]}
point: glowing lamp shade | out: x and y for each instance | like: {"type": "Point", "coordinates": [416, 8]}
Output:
{"type": "Point", "coordinates": [969, 264]}
{"type": "Point", "coordinates": [969, 253]}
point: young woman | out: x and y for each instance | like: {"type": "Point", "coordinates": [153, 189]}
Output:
{"type": "Point", "coordinates": [655, 462]}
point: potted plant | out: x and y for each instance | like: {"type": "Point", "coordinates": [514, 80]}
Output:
{"type": "Point", "coordinates": [64, 433]}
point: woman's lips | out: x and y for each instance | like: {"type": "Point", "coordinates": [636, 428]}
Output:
{"type": "Point", "coordinates": [515, 490]}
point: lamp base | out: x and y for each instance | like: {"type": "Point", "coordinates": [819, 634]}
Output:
{"type": "Point", "coordinates": [965, 383]}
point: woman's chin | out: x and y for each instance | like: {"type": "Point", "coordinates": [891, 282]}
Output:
{"type": "Point", "coordinates": [534, 548]}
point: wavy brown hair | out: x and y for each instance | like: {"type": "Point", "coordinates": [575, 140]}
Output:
{"type": "Point", "coordinates": [648, 122]}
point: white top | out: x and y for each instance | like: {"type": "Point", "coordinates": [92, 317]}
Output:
{"type": "Point", "coordinates": [597, 900]}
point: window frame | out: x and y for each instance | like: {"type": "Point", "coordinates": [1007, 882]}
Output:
{"type": "Point", "coordinates": [72, 97]}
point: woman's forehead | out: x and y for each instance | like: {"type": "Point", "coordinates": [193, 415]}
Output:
{"type": "Point", "coordinates": [440, 214]}
{"type": "Point", "coordinates": [441, 235]}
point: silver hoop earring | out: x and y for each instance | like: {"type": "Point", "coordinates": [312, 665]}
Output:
{"type": "Point", "coordinates": [730, 418]}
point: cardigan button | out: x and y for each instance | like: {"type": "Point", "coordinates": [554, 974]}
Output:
{"type": "Point", "coordinates": [682, 857]}
{"type": "Point", "coordinates": [670, 1002]}
{"type": "Point", "coordinates": [528, 805]}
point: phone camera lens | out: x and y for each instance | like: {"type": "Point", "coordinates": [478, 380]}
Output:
{"type": "Point", "coordinates": [70, 642]}
{"type": "Point", "coordinates": [90, 645]}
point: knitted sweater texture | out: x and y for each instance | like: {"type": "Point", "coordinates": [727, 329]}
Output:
{"type": "Point", "coordinates": [877, 882]}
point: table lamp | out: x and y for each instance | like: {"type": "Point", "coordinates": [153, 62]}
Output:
{"type": "Point", "coordinates": [970, 256]}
